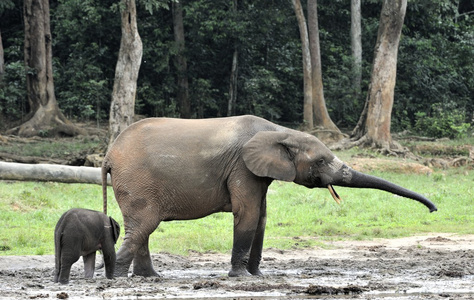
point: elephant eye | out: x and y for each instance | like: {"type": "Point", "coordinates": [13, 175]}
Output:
{"type": "Point", "coordinates": [321, 162]}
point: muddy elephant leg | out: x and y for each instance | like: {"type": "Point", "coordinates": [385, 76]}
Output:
{"type": "Point", "coordinates": [135, 246]}
{"type": "Point", "coordinates": [68, 258]}
{"type": "Point", "coordinates": [142, 264]}
{"type": "Point", "coordinates": [248, 207]}
{"type": "Point", "coordinates": [124, 260]}
{"type": "Point", "coordinates": [124, 256]}
{"type": "Point", "coordinates": [109, 259]}
{"type": "Point", "coordinates": [245, 226]}
{"type": "Point", "coordinates": [89, 264]}
{"type": "Point", "coordinates": [257, 245]}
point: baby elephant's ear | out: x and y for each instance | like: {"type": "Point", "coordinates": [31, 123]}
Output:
{"type": "Point", "coordinates": [268, 154]}
{"type": "Point", "coordinates": [115, 229]}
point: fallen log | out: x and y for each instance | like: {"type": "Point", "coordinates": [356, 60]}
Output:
{"type": "Point", "coordinates": [47, 172]}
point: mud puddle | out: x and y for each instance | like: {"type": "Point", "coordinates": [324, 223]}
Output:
{"type": "Point", "coordinates": [437, 266]}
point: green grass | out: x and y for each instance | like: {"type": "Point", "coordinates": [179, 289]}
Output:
{"type": "Point", "coordinates": [52, 148]}
{"type": "Point", "coordinates": [297, 217]}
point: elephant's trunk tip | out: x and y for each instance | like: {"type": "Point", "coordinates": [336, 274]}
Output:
{"type": "Point", "coordinates": [433, 209]}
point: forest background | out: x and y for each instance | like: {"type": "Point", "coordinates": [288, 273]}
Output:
{"type": "Point", "coordinates": [434, 89]}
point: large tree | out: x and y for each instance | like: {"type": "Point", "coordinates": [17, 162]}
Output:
{"type": "Point", "coordinates": [44, 115]}
{"type": "Point", "coordinates": [307, 76]}
{"type": "Point", "coordinates": [182, 94]}
{"type": "Point", "coordinates": [356, 46]}
{"type": "Point", "coordinates": [373, 128]}
{"type": "Point", "coordinates": [122, 108]}
{"type": "Point", "coordinates": [233, 72]}
{"type": "Point", "coordinates": [322, 120]}
{"type": "Point", "coordinates": [2, 60]}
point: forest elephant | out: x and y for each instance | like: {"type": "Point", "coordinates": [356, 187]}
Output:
{"type": "Point", "coordinates": [81, 232]}
{"type": "Point", "coordinates": [165, 169]}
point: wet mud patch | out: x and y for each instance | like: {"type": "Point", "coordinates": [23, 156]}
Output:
{"type": "Point", "coordinates": [329, 290]}
{"type": "Point", "coordinates": [438, 266]}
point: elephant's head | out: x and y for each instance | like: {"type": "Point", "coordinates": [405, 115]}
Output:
{"type": "Point", "coordinates": [304, 159]}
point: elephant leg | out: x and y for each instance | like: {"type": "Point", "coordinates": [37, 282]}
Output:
{"type": "Point", "coordinates": [89, 264]}
{"type": "Point", "coordinates": [245, 226]}
{"type": "Point", "coordinates": [135, 246]}
{"type": "Point", "coordinates": [249, 209]}
{"type": "Point", "coordinates": [142, 264]}
{"type": "Point", "coordinates": [124, 260]}
{"type": "Point", "coordinates": [57, 269]}
{"type": "Point", "coordinates": [67, 260]}
{"type": "Point", "coordinates": [257, 245]}
{"type": "Point", "coordinates": [109, 258]}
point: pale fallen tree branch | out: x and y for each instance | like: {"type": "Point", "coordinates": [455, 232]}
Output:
{"type": "Point", "coordinates": [47, 172]}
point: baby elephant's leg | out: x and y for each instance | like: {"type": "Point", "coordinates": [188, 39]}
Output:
{"type": "Point", "coordinates": [89, 264]}
{"type": "Point", "coordinates": [68, 258]}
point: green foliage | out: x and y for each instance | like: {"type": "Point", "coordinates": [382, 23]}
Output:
{"type": "Point", "coordinates": [435, 60]}
{"type": "Point", "coordinates": [13, 105]}
{"type": "Point", "coordinates": [86, 34]}
{"type": "Point", "coordinates": [442, 123]}
{"type": "Point", "coordinates": [435, 69]}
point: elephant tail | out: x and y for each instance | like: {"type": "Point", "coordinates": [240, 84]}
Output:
{"type": "Point", "coordinates": [105, 171]}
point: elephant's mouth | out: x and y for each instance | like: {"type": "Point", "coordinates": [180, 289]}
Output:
{"type": "Point", "coordinates": [336, 197]}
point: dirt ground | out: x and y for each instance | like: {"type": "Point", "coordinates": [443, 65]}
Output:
{"type": "Point", "coordinates": [435, 266]}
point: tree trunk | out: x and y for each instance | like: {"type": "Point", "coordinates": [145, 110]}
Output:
{"type": "Point", "coordinates": [374, 125]}
{"type": "Point", "coordinates": [46, 172]}
{"type": "Point", "coordinates": [233, 73]}
{"type": "Point", "coordinates": [321, 115]}
{"type": "Point", "coordinates": [180, 61]}
{"type": "Point", "coordinates": [233, 85]}
{"type": "Point", "coordinates": [356, 46]}
{"type": "Point", "coordinates": [2, 61]}
{"type": "Point", "coordinates": [44, 112]}
{"type": "Point", "coordinates": [307, 78]}
{"type": "Point", "coordinates": [122, 108]}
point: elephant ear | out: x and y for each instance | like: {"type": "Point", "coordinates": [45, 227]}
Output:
{"type": "Point", "coordinates": [270, 154]}
{"type": "Point", "coordinates": [115, 229]}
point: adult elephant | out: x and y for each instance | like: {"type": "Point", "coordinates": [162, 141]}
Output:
{"type": "Point", "coordinates": [166, 169]}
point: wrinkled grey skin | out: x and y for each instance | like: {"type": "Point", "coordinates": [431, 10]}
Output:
{"type": "Point", "coordinates": [174, 169]}
{"type": "Point", "coordinates": [81, 232]}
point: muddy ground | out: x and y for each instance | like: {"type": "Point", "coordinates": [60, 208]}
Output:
{"type": "Point", "coordinates": [436, 266]}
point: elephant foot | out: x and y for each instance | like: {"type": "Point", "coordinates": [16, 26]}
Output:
{"type": "Point", "coordinates": [121, 271]}
{"type": "Point", "coordinates": [144, 267]}
{"type": "Point", "coordinates": [256, 272]}
{"type": "Point", "coordinates": [239, 272]}
{"type": "Point", "coordinates": [146, 273]}
{"type": "Point", "coordinates": [142, 263]}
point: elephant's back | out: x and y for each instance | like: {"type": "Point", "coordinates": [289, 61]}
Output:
{"type": "Point", "coordinates": [211, 133]}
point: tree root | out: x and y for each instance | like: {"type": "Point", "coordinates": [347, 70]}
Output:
{"type": "Point", "coordinates": [392, 148]}
{"type": "Point", "coordinates": [30, 129]}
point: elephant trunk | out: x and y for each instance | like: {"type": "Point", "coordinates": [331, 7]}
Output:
{"type": "Point", "coordinates": [360, 180]}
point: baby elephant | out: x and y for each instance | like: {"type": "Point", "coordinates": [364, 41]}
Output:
{"type": "Point", "coordinates": [81, 232]}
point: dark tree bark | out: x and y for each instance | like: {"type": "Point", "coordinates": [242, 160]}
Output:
{"type": "Point", "coordinates": [373, 128]}
{"type": "Point", "coordinates": [44, 115]}
{"type": "Point", "coordinates": [2, 61]}
{"type": "Point", "coordinates": [180, 61]}
{"type": "Point", "coordinates": [307, 77]}
{"type": "Point", "coordinates": [322, 120]}
{"type": "Point", "coordinates": [233, 84]}
{"type": "Point", "coordinates": [122, 108]}
{"type": "Point", "coordinates": [233, 74]}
